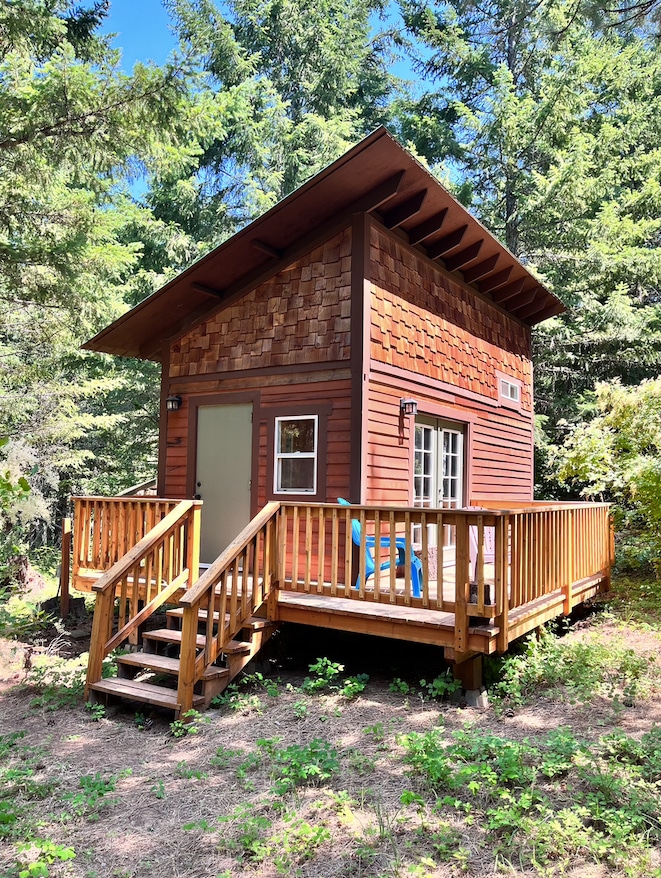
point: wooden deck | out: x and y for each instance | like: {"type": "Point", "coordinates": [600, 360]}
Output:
{"type": "Point", "coordinates": [505, 572]}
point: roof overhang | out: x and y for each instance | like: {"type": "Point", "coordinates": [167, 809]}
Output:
{"type": "Point", "coordinates": [377, 176]}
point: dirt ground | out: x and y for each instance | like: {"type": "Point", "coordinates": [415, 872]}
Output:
{"type": "Point", "coordinates": [162, 819]}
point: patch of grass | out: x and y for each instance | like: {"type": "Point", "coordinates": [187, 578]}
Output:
{"type": "Point", "coordinates": [21, 619]}
{"type": "Point", "coordinates": [184, 771]}
{"type": "Point", "coordinates": [60, 683]}
{"type": "Point", "coordinates": [636, 600]}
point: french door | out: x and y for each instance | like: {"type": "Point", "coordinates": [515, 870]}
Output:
{"type": "Point", "coordinates": [438, 472]}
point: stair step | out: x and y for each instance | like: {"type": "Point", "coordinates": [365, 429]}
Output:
{"type": "Point", "coordinates": [202, 615]}
{"type": "Point", "coordinates": [237, 647]}
{"type": "Point", "coordinates": [163, 664]}
{"type": "Point", "coordinates": [257, 623]}
{"type": "Point", "coordinates": [145, 693]}
{"type": "Point", "coordinates": [171, 635]}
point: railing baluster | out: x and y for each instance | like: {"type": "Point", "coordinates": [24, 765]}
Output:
{"type": "Point", "coordinates": [348, 554]}
{"type": "Point", "coordinates": [378, 548]}
{"type": "Point", "coordinates": [321, 534]}
{"type": "Point", "coordinates": [392, 536]}
{"type": "Point", "coordinates": [335, 549]}
{"type": "Point", "coordinates": [308, 550]}
{"type": "Point", "coordinates": [295, 550]}
{"type": "Point", "coordinates": [425, 559]}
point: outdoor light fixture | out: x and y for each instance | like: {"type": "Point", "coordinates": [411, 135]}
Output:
{"type": "Point", "coordinates": [408, 407]}
{"type": "Point", "coordinates": [173, 403]}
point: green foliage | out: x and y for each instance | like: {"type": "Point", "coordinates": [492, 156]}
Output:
{"type": "Point", "coordinates": [59, 683]}
{"type": "Point", "coordinates": [188, 724]}
{"type": "Point", "coordinates": [328, 678]}
{"type": "Point", "coordinates": [97, 712]}
{"type": "Point", "coordinates": [637, 600]}
{"type": "Point", "coordinates": [440, 687]}
{"type": "Point", "coordinates": [92, 795]}
{"type": "Point", "coordinates": [38, 854]}
{"type": "Point", "coordinates": [327, 675]}
{"type": "Point", "coordinates": [515, 790]}
{"type": "Point", "coordinates": [576, 670]}
{"type": "Point", "coordinates": [401, 687]}
{"type": "Point", "coordinates": [183, 771]}
{"type": "Point", "coordinates": [353, 686]}
{"type": "Point", "coordinates": [615, 454]}
{"type": "Point", "coordinates": [299, 764]}
{"type": "Point", "coordinates": [251, 839]}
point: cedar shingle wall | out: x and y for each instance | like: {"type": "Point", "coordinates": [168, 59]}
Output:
{"type": "Point", "coordinates": [429, 325]}
{"type": "Point", "coordinates": [423, 321]}
{"type": "Point", "coordinates": [301, 315]}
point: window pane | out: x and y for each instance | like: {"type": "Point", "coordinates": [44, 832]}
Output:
{"type": "Point", "coordinates": [296, 436]}
{"type": "Point", "coordinates": [296, 474]}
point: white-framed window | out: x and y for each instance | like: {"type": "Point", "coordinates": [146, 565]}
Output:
{"type": "Point", "coordinates": [438, 470]}
{"type": "Point", "coordinates": [510, 390]}
{"type": "Point", "coordinates": [295, 457]}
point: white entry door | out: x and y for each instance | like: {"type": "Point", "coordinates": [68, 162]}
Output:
{"type": "Point", "coordinates": [224, 467]}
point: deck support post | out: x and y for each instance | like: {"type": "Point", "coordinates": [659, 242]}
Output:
{"type": "Point", "coordinates": [462, 587]}
{"type": "Point", "coordinates": [65, 568]}
{"type": "Point", "coordinates": [467, 669]}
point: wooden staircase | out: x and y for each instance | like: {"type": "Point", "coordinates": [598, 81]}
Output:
{"type": "Point", "coordinates": [218, 626]}
{"type": "Point", "coordinates": [151, 676]}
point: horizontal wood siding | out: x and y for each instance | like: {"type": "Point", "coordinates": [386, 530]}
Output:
{"type": "Point", "coordinates": [338, 394]}
{"type": "Point", "coordinates": [441, 343]}
{"type": "Point", "coordinates": [498, 451]}
{"type": "Point", "coordinates": [275, 394]}
{"type": "Point", "coordinates": [301, 315]}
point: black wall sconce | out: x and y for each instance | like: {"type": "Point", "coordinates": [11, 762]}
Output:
{"type": "Point", "coordinates": [408, 406]}
{"type": "Point", "coordinates": [173, 403]}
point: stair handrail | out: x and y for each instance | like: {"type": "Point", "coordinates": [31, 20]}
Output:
{"type": "Point", "coordinates": [255, 545]}
{"type": "Point", "coordinates": [164, 561]}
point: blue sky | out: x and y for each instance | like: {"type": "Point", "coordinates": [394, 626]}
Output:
{"type": "Point", "coordinates": [142, 31]}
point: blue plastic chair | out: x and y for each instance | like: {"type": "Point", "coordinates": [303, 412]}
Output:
{"type": "Point", "coordinates": [384, 542]}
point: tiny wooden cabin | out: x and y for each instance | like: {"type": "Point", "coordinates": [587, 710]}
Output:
{"type": "Point", "coordinates": [366, 339]}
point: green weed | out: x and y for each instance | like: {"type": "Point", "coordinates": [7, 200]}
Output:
{"type": "Point", "coordinates": [575, 670]}
{"type": "Point", "coordinates": [92, 793]}
{"type": "Point", "coordinates": [188, 724]}
{"type": "Point", "coordinates": [182, 770]}
{"type": "Point", "coordinates": [38, 854]}
{"type": "Point", "coordinates": [299, 764]}
{"type": "Point", "coordinates": [326, 676]}
{"type": "Point", "coordinates": [515, 790]}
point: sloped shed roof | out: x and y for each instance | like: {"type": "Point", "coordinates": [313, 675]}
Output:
{"type": "Point", "coordinates": [377, 176]}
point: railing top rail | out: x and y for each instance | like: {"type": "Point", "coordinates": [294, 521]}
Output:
{"type": "Point", "coordinates": [127, 499]}
{"type": "Point", "coordinates": [133, 556]}
{"type": "Point", "coordinates": [210, 576]}
{"type": "Point", "coordinates": [517, 507]}
{"type": "Point", "coordinates": [481, 508]}
{"type": "Point", "coordinates": [134, 490]}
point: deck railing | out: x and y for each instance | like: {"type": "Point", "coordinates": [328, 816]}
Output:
{"type": "Point", "coordinates": [230, 590]}
{"type": "Point", "coordinates": [106, 528]}
{"type": "Point", "coordinates": [150, 573]}
{"type": "Point", "coordinates": [500, 562]}
{"type": "Point", "coordinates": [480, 563]}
